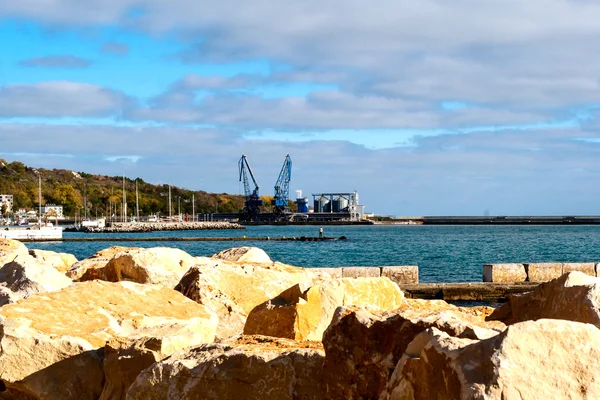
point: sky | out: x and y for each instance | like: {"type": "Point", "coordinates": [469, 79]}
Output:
{"type": "Point", "coordinates": [425, 108]}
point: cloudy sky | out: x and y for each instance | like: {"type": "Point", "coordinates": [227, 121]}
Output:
{"type": "Point", "coordinates": [425, 107]}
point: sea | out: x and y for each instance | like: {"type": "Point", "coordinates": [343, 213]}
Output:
{"type": "Point", "coordinates": [443, 253]}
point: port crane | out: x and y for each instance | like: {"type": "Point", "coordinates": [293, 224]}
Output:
{"type": "Point", "coordinates": [282, 189]}
{"type": "Point", "coordinates": [252, 201]}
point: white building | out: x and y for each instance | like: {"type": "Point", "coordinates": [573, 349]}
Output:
{"type": "Point", "coordinates": [57, 210]}
{"type": "Point", "coordinates": [8, 200]}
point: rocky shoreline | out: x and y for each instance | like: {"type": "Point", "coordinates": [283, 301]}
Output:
{"type": "Point", "coordinates": [132, 227]}
{"type": "Point", "coordinates": [158, 323]}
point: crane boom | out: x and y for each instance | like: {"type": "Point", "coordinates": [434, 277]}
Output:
{"type": "Point", "coordinates": [282, 187]}
{"type": "Point", "coordinates": [252, 197]}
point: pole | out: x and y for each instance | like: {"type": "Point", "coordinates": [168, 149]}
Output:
{"type": "Point", "coordinates": [137, 205]}
{"type": "Point", "coordinates": [193, 209]}
{"type": "Point", "coordinates": [85, 201]}
{"type": "Point", "coordinates": [40, 200]}
{"type": "Point", "coordinates": [170, 216]}
{"type": "Point", "coordinates": [123, 211]}
{"type": "Point", "coordinates": [179, 208]}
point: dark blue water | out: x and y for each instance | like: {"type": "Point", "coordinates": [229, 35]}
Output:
{"type": "Point", "coordinates": [443, 253]}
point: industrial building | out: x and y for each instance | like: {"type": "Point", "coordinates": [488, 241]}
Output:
{"type": "Point", "coordinates": [327, 207]}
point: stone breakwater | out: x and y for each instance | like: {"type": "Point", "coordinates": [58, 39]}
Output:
{"type": "Point", "coordinates": [134, 323]}
{"type": "Point", "coordinates": [129, 227]}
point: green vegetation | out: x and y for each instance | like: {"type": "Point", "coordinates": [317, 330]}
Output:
{"type": "Point", "coordinates": [104, 193]}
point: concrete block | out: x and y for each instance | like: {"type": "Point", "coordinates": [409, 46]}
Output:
{"type": "Point", "coordinates": [543, 272]}
{"type": "Point", "coordinates": [334, 272]}
{"type": "Point", "coordinates": [588, 268]}
{"type": "Point", "coordinates": [504, 273]}
{"type": "Point", "coordinates": [402, 275]}
{"type": "Point", "coordinates": [361, 272]}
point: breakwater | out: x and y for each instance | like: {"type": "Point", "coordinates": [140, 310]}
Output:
{"type": "Point", "coordinates": [189, 239]}
{"type": "Point", "coordinates": [131, 227]}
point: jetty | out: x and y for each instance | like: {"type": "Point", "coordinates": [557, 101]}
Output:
{"type": "Point", "coordinates": [190, 239]}
{"type": "Point", "coordinates": [133, 227]}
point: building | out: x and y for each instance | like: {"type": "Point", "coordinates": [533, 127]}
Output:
{"type": "Point", "coordinates": [53, 210]}
{"type": "Point", "coordinates": [7, 199]}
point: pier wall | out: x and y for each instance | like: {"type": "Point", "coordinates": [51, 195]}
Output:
{"type": "Point", "coordinates": [534, 272]}
{"type": "Point", "coordinates": [401, 274]}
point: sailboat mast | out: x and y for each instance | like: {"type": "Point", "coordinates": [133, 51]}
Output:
{"type": "Point", "coordinates": [137, 202]}
{"type": "Point", "coordinates": [40, 200]}
{"type": "Point", "coordinates": [170, 216]}
{"type": "Point", "coordinates": [193, 208]}
{"type": "Point", "coordinates": [85, 201]}
{"type": "Point", "coordinates": [124, 208]}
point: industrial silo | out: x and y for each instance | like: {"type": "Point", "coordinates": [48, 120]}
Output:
{"type": "Point", "coordinates": [322, 204]}
{"type": "Point", "coordinates": [340, 204]}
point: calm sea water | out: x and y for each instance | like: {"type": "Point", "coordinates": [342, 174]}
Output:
{"type": "Point", "coordinates": [443, 253]}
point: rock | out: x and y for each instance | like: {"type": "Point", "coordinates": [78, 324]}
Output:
{"type": "Point", "coordinates": [9, 249]}
{"type": "Point", "coordinates": [504, 273]}
{"type": "Point", "coordinates": [26, 276]}
{"type": "Point", "coordinates": [199, 287]}
{"type": "Point", "coordinates": [51, 345]}
{"type": "Point", "coordinates": [89, 268]}
{"type": "Point", "coordinates": [574, 296]}
{"type": "Point", "coordinates": [244, 255]}
{"type": "Point", "coordinates": [158, 265]}
{"type": "Point", "coordinates": [363, 345]}
{"type": "Point", "coordinates": [7, 297]}
{"type": "Point", "coordinates": [402, 275]}
{"type": "Point", "coordinates": [62, 262]}
{"type": "Point", "coordinates": [244, 368]}
{"type": "Point", "coordinates": [124, 359]}
{"type": "Point", "coordinates": [304, 311]}
{"type": "Point", "coordinates": [361, 272]}
{"type": "Point", "coordinates": [543, 272]}
{"type": "Point", "coordinates": [545, 359]}
{"type": "Point", "coordinates": [247, 284]}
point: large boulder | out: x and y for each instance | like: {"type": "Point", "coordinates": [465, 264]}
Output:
{"type": "Point", "coordinates": [90, 268]}
{"type": "Point", "coordinates": [158, 265]}
{"type": "Point", "coordinates": [545, 359]}
{"type": "Point", "coordinates": [9, 249]}
{"type": "Point", "coordinates": [244, 254]}
{"type": "Point", "coordinates": [238, 369]}
{"type": "Point", "coordinates": [233, 289]}
{"type": "Point", "coordinates": [26, 276]}
{"type": "Point", "coordinates": [304, 311]}
{"type": "Point", "coordinates": [574, 296]}
{"type": "Point", "coordinates": [62, 262]}
{"type": "Point", "coordinates": [363, 345]}
{"type": "Point", "coordinates": [52, 345]}
{"type": "Point", "coordinates": [125, 359]}
{"type": "Point", "coordinates": [198, 286]}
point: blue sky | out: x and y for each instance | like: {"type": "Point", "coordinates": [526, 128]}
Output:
{"type": "Point", "coordinates": [425, 108]}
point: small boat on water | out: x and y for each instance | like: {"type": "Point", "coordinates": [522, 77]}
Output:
{"type": "Point", "coordinates": [33, 232]}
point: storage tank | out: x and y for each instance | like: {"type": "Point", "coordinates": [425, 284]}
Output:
{"type": "Point", "coordinates": [302, 202]}
{"type": "Point", "coordinates": [322, 204]}
{"type": "Point", "coordinates": [340, 204]}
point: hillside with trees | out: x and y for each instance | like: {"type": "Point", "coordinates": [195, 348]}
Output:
{"type": "Point", "coordinates": [105, 193]}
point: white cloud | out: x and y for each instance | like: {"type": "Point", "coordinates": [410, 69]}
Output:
{"type": "Point", "coordinates": [59, 99]}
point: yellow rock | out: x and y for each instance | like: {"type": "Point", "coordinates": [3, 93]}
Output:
{"type": "Point", "coordinates": [242, 368]}
{"type": "Point", "coordinates": [158, 265]}
{"type": "Point", "coordinates": [304, 311]}
{"type": "Point", "coordinates": [250, 284]}
{"type": "Point", "coordinates": [244, 254]}
{"type": "Point", "coordinates": [9, 249]}
{"type": "Point", "coordinates": [89, 268]}
{"type": "Point", "coordinates": [51, 344]}
{"type": "Point", "coordinates": [61, 261]}
{"type": "Point", "coordinates": [26, 276]}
